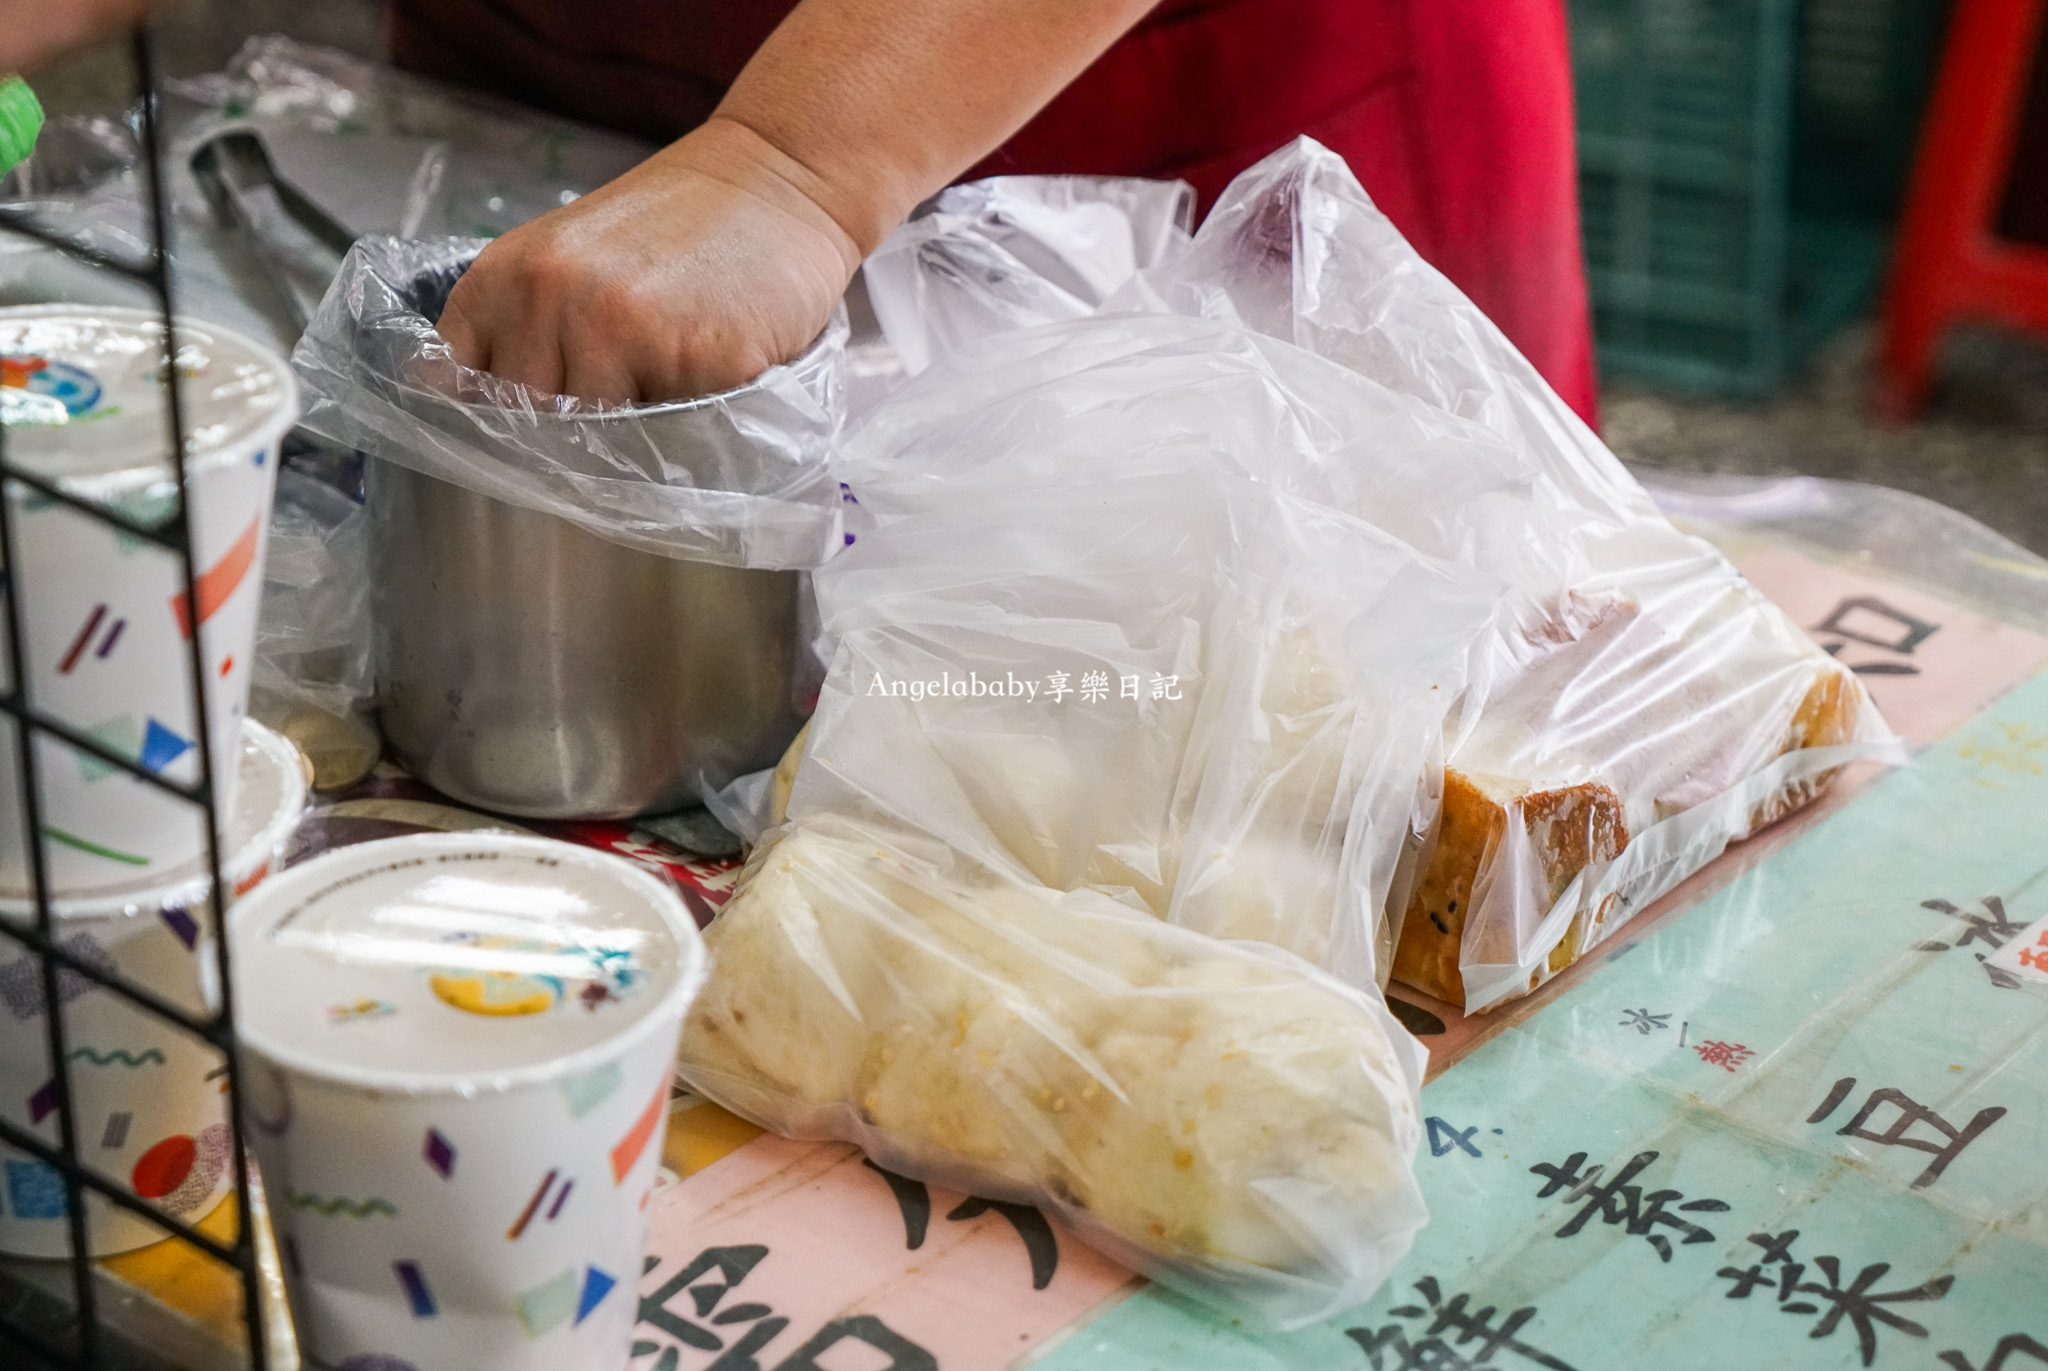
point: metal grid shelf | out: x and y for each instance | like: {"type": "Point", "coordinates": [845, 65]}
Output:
{"type": "Point", "coordinates": [37, 1321]}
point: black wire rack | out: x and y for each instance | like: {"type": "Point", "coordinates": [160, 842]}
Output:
{"type": "Point", "coordinates": [78, 1333]}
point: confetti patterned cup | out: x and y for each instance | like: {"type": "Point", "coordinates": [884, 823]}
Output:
{"type": "Point", "coordinates": [460, 1049]}
{"type": "Point", "coordinates": [106, 620]}
{"type": "Point", "coordinates": [147, 1101]}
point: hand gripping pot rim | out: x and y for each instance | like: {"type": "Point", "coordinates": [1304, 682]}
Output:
{"type": "Point", "coordinates": [291, 890]}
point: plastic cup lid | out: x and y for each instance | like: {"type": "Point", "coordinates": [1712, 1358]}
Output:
{"type": "Point", "coordinates": [459, 961]}
{"type": "Point", "coordinates": [270, 798]}
{"type": "Point", "coordinates": [82, 394]}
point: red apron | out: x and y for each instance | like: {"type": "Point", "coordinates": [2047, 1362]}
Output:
{"type": "Point", "coordinates": [1455, 114]}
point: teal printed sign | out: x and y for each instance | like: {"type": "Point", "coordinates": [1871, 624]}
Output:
{"type": "Point", "coordinates": [1800, 1125]}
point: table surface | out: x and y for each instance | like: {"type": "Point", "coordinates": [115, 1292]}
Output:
{"type": "Point", "coordinates": [1790, 1117]}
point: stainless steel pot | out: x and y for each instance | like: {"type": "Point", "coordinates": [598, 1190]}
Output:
{"type": "Point", "coordinates": [529, 667]}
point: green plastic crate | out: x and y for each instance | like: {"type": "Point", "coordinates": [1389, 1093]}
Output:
{"type": "Point", "coordinates": [1739, 164]}
{"type": "Point", "coordinates": [1863, 74]}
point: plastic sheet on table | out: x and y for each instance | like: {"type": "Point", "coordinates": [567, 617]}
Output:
{"type": "Point", "coordinates": [1890, 533]}
{"type": "Point", "coordinates": [376, 149]}
{"type": "Point", "coordinates": [83, 183]}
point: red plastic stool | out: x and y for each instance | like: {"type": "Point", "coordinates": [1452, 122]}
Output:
{"type": "Point", "coordinates": [1949, 264]}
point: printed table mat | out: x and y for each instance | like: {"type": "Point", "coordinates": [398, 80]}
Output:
{"type": "Point", "coordinates": [1791, 1117]}
{"type": "Point", "coordinates": [1799, 1125]}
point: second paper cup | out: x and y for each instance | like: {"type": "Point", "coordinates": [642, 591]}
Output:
{"type": "Point", "coordinates": [147, 1107]}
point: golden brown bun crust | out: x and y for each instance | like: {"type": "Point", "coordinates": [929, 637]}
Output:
{"type": "Point", "coordinates": [1571, 827]}
{"type": "Point", "coordinates": [784, 779]}
{"type": "Point", "coordinates": [1825, 718]}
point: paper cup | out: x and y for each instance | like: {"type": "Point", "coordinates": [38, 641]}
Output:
{"type": "Point", "coordinates": [459, 1052]}
{"type": "Point", "coordinates": [146, 1097]}
{"type": "Point", "coordinates": [105, 617]}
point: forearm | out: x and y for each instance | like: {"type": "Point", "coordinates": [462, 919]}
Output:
{"type": "Point", "coordinates": [33, 32]}
{"type": "Point", "coordinates": [726, 251]}
{"type": "Point", "coordinates": [877, 104]}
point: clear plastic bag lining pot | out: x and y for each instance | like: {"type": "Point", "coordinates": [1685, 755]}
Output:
{"type": "Point", "coordinates": [740, 479]}
{"type": "Point", "coordinates": [314, 680]}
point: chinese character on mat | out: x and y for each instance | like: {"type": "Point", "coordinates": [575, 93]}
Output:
{"type": "Point", "coordinates": [1474, 1342]}
{"type": "Point", "coordinates": [1994, 928]}
{"type": "Point", "coordinates": [1643, 1021]}
{"type": "Point", "coordinates": [1620, 1201]}
{"type": "Point", "coordinates": [1857, 1302]}
{"type": "Point", "coordinates": [2012, 1345]}
{"type": "Point", "coordinates": [1869, 621]}
{"type": "Point", "coordinates": [1726, 1055]}
{"type": "Point", "coordinates": [1945, 1147]}
{"type": "Point", "coordinates": [713, 1275]}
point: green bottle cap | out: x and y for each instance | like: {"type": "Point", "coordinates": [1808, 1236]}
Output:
{"type": "Point", "coordinates": [21, 119]}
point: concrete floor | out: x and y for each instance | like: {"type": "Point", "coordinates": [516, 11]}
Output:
{"type": "Point", "coordinates": [1981, 446]}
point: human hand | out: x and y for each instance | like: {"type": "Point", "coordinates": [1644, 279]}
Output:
{"type": "Point", "coordinates": [693, 273]}
{"type": "Point", "coordinates": [34, 31]}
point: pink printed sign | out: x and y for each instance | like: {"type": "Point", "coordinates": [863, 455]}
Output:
{"type": "Point", "coordinates": [792, 1256]}
{"type": "Point", "coordinates": [1929, 664]}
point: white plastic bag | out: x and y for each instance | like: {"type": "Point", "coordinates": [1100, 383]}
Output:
{"type": "Point", "coordinates": [1213, 1113]}
{"type": "Point", "coordinates": [1067, 466]}
{"type": "Point", "coordinates": [1388, 656]}
{"type": "Point", "coordinates": [1637, 705]}
{"type": "Point", "coordinates": [1013, 251]}
{"type": "Point", "coordinates": [1097, 654]}
{"type": "Point", "coordinates": [314, 680]}
{"type": "Point", "coordinates": [1643, 705]}
{"type": "Point", "coordinates": [740, 478]}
